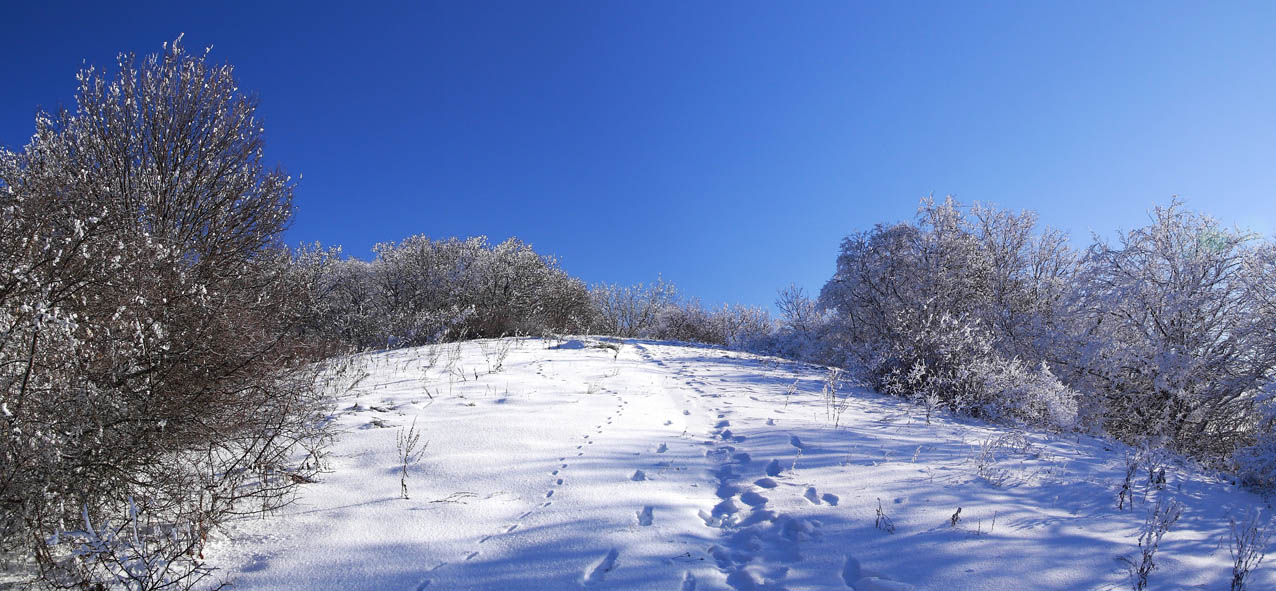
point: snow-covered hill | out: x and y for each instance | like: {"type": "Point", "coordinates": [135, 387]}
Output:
{"type": "Point", "coordinates": [669, 467]}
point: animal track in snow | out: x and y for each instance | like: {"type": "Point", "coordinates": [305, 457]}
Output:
{"type": "Point", "coordinates": [857, 578]}
{"type": "Point", "coordinates": [644, 516]}
{"type": "Point", "coordinates": [773, 468]}
{"type": "Point", "coordinates": [753, 499]}
{"type": "Point", "coordinates": [596, 572]}
{"type": "Point", "coordinates": [811, 495]}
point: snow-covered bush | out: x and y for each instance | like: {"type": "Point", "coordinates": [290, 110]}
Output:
{"type": "Point", "coordinates": [737, 327]}
{"type": "Point", "coordinates": [1255, 463]}
{"type": "Point", "coordinates": [1175, 332]}
{"type": "Point", "coordinates": [422, 290]}
{"type": "Point", "coordinates": [951, 311]}
{"type": "Point", "coordinates": [1165, 335]}
{"type": "Point", "coordinates": [1015, 392]}
{"type": "Point", "coordinates": [803, 331]}
{"type": "Point", "coordinates": [630, 311]}
{"type": "Point", "coordinates": [149, 367]}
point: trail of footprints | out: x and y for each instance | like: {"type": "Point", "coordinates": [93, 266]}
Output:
{"type": "Point", "coordinates": [757, 542]}
{"type": "Point", "coordinates": [599, 569]}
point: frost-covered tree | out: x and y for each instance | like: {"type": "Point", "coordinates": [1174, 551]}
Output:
{"type": "Point", "coordinates": [147, 352]}
{"type": "Point", "coordinates": [933, 309]}
{"type": "Point", "coordinates": [421, 290]}
{"type": "Point", "coordinates": [803, 330]}
{"type": "Point", "coordinates": [1177, 331]}
{"type": "Point", "coordinates": [631, 311]}
{"type": "Point", "coordinates": [738, 327]}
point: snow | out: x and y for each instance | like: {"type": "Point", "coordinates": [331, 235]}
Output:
{"type": "Point", "coordinates": [684, 468]}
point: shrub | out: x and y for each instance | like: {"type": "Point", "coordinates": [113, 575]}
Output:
{"type": "Point", "coordinates": [1174, 334]}
{"type": "Point", "coordinates": [149, 373]}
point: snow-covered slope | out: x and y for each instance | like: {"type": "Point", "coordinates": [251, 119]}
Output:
{"type": "Point", "coordinates": [678, 468]}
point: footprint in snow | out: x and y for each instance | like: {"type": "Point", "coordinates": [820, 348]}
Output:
{"type": "Point", "coordinates": [644, 516]}
{"type": "Point", "coordinates": [795, 442]}
{"type": "Point", "coordinates": [765, 483]}
{"type": "Point", "coordinates": [639, 475]}
{"type": "Point", "coordinates": [753, 499]}
{"type": "Point", "coordinates": [662, 449]}
{"type": "Point", "coordinates": [688, 582]}
{"type": "Point", "coordinates": [811, 495]}
{"type": "Point", "coordinates": [831, 499]}
{"type": "Point", "coordinates": [773, 469]}
{"type": "Point", "coordinates": [598, 570]}
{"type": "Point", "coordinates": [861, 580]}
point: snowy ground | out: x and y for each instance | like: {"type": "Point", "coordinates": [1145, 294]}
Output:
{"type": "Point", "coordinates": [682, 468]}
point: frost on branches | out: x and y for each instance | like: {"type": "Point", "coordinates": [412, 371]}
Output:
{"type": "Point", "coordinates": [1165, 337]}
{"type": "Point", "coordinates": [148, 385]}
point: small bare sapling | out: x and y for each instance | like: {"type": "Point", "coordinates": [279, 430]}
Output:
{"type": "Point", "coordinates": [1249, 546]}
{"type": "Point", "coordinates": [834, 405]}
{"type": "Point", "coordinates": [1126, 494]}
{"type": "Point", "coordinates": [788, 392]}
{"type": "Point", "coordinates": [1161, 517]}
{"type": "Point", "coordinates": [410, 452]}
{"type": "Point", "coordinates": [883, 522]}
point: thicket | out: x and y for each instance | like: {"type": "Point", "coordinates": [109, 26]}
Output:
{"type": "Point", "coordinates": [421, 291]}
{"type": "Point", "coordinates": [151, 381]}
{"type": "Point", "coordinates": [1165, 337]}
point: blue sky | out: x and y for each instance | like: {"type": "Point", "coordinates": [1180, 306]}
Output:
{"type": "Point", "coordinates": [726, 145]}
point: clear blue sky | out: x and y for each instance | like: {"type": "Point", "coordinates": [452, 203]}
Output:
{"type": "Point", "coordinates": [726, 145]}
